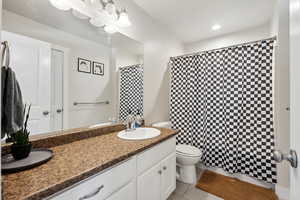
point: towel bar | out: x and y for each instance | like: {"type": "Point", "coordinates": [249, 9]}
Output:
{"type": "Point", "coordinates": [90, 103]}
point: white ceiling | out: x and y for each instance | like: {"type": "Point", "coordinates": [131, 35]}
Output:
{"type": "Point", "coordinates": [191, 20]}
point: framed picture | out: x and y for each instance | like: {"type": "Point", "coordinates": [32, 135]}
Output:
{"type": "Point", "coordinates": [98, 68]}
{"type": "Point", "coordinates": [84, 65]}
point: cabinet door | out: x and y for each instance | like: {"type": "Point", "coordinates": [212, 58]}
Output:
{"type": "Point", "coordinates": [149, 184]}
{"type": "Point", "coordinates": [128, 192]}
{"type": "Point", "coordinates": [168, 178]}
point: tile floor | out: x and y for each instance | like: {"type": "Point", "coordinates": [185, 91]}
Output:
{"type": "Point", "coordinates": [190, 192]}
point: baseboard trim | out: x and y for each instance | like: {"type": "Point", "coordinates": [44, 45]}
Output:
{"type": "Point", "coordinates": [241, 177]}
{"type": "Point", "coordinates": [283, 193]}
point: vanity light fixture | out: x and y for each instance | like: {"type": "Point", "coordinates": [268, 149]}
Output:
{"type": "Point", "coordinates": [216, 27]}
{"type": "Point", "coordinates": [97, 4]}
{"type": "Point", "coordinates": [61, 4]}
{"type": "Point", "coordinates": [102, 13]}
{"type": "Point", "coordinates": [110, 29]}
{"type": "Point", "coordinates": [98, 22]}
{"type": "Point", "coordinates": [110, 8]}
{"type": "Point", "coordinates": [123, 20]}
{"type": "Point", "coordinates": [79, 14]}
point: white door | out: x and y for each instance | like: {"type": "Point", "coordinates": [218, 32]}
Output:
{"type": "Point", "coordinates": [149, 185]}
{"type": "Point", "coordinates": [56, 112]}
{"type": "Point", "coordinates": [168, 178]}
{"type": "Point", "coordinates": [30, 59]}
{"type": "Point", "coordinates": [295, 93]}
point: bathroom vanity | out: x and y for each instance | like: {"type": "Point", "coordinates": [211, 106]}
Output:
{"type": "Point", "coordinates": [146, 176]}
{"type": "Point", "coordinates": [101, 166]}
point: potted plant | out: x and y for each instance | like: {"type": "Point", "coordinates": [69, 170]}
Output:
{"type": "Point", "coordinates": [21, 146]}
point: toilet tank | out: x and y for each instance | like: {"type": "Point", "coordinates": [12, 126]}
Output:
{"type": "Point", "coordinates": [166, 124]}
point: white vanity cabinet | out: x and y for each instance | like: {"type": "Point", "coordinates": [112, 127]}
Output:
{"type": "Point", "coordinates": [128, 192]}
{"type": "Point", "coordinates": [150, 175]}
{"type": "Point", "coordinates": [159, 181]}
{"type": "Point", "coordinates": [102, 185]}
{"type": "Point", "coordinates": [149, 184]}
{"type": "Point", "coordinates": [168, 176]}
{"type": "Point", "coordinates": [157, 172]}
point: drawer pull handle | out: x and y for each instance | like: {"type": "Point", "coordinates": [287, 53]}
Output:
{"type": "Point", "coordinates": [92, 194]}
{"type": "Point", "coordinates": [159, 171]}
{"type": "Point", "coordinates": [164, 168]}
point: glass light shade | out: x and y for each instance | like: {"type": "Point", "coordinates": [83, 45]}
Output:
{"type": "Point", "coordinates": [110, 8]}
{"type": "Point", "coordinates": [114, 16]}
{"type": "Point", "coordinates": [110, 29]}
{"type": "Point", "coordinates": [79, 14]}
{"type": "Point", "coordinates": [97, 22]}
{"type": "Point", "coordinates": [61, 4]}
{"type": "Point", "coordinates": [96, 4]}
{"type": "Point", "coordinates": [123, 20]}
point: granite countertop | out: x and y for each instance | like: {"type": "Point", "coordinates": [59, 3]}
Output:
{"type": "Point", "coordinates": [73, 162]}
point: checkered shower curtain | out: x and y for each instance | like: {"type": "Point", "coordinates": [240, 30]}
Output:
{"type": "Point", "coordinates": [222, 102]}
{"type": "Point", "coordinates": [131, 90]}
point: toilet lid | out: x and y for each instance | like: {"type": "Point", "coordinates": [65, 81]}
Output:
{"type": "Point", "coordinates": [188, 150]}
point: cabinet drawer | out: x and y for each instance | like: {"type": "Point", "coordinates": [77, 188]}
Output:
{"type": "Point", "coordinates": [128, 192]}
{"type": "Point", "coordinates": [149, 158]}
{"type": "Point", "coordinates": [101, 185]}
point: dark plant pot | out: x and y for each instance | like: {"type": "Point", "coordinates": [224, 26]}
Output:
{"type": "Point", "coordinates": [20, 151]}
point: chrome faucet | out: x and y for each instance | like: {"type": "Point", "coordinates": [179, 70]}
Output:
{"type": "Point", "coordinates": [130, 122]}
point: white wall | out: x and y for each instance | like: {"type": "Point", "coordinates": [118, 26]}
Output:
{"type": "Point", "coordinates": [125, 58]}
{"type": "Point", "coordinates": [248, 35]}
{"type": "Point", "coordinates": [82, 86]}
{"type": "Point", "coordinates": [85, 87]}
{"type": "Point", "coordinates": [159, 46]}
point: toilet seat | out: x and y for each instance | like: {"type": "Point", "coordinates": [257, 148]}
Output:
{"type": "Point", "coordinates": [188, 150]}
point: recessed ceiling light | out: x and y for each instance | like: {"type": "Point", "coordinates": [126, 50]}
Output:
{"type": "Point", "coordinates": [216, 27]}
{"type": "Point", "coordinates": [294, 6]}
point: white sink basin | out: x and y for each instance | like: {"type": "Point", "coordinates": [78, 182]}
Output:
{"type": "Point", "coordinates": [139, 134]}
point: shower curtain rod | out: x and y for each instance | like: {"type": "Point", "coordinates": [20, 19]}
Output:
{"type": "Point", "coordinates": [128, 66]}
{"type": "Point", "coordinates": [236, 45]}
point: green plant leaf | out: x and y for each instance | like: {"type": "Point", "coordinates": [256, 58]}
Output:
{"type": "Point", "coordinates": [21, 137]}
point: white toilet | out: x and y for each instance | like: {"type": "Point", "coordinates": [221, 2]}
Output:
{"type": "Point", "coordinates": [187, 157]}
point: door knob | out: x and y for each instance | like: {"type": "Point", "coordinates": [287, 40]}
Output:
{"type": "Point", "coordinates": [46, 112]}
{"type": "Point", "coordinates": [159, 171]}
{"type": "Point", "coordinates": [291, 157]}
{"type": "Point", "coordinates": [59, 110]}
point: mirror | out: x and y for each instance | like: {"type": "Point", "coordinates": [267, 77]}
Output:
{"type": "Point", "coordinates": [70, 72]}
